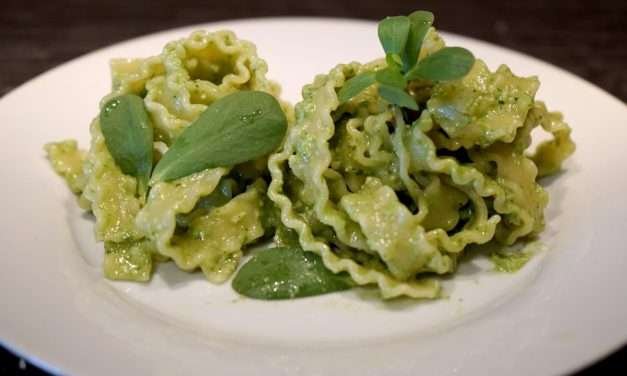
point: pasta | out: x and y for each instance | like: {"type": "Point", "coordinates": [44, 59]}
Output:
{"type": "Point", "coordinates": [393, 201]}
{"type": "Point", "coordinates": [177, 86]}
{"type": "Point", "coordinates": [387, 186]}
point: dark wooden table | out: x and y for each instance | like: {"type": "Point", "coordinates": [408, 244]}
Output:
{"type": "Point", "coordinates": [588, 38]}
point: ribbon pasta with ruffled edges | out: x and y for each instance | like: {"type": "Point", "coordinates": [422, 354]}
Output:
{"type": "Point", "coordinates": [391, 201]}
{"type": "Point", "coordinates": [177, 86]}
{"type": "Point", "coordinates": [391, 197]}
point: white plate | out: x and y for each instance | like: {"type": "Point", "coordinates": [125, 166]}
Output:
{"type": "Point", "coordinates": [565, 309]}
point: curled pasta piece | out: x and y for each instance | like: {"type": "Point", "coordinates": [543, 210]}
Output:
{"type": "Point", "coordinates": [212, 241]}
{"type": "Point", "coordinates": [190, 74]}
{"type": "Point", "coordinates": [67, 160]}
{"type": "Point", "coordinates": [483, 107]}
{"type": "Point", "coordinates": [109, 193]}
{"type": "Point", "coordinates": [550, 155]}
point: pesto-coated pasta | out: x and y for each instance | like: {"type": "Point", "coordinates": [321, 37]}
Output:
{"type": "Point", "coordinates": [387, 173]}
{"type": "Point", "coordinates": [393, 196]}
{"type": "Point", "coordinates": [176, 220]}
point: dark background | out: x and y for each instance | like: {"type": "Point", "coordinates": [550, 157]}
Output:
{"type": "Point", "coordinates": [588, 38]}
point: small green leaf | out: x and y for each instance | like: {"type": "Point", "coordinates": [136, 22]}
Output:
{"type": "Point", "coordinates": [391, 76]}
{"type": "Point", "coordinates": [397, 96]}
{"type": "Point", "coordinates": [287, 273]}
{"type": "Point", "coordinates": [420, 22]}
{"type": "Point", "coordinates": [236, 128]}
{"type": "Point", "coordinates": [127, 131]}
{"type": "Point", "coordinates": [449, 63]}
{"type": "Point", "coordinates": [393, 34]}
{"type": "Point", "coordinates": [355, 86]}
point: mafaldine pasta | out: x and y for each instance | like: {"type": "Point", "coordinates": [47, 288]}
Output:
{"type": "Point", "coordinates": [394, 201]}
{"type": "Point", "coordinates": [175, 221]}
{"type": "Point", "coordinates": [388, 186]}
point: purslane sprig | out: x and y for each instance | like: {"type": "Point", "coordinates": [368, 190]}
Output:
{"type": "Point", "coordinates": [237, 128]}
{"type": "Point", "coordinates": [401, 38]}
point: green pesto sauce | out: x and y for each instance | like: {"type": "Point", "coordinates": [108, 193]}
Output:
{"type": "Point", "coordinates": [130, 260]}
{"type": "Point", "coordinates": [510, 262]}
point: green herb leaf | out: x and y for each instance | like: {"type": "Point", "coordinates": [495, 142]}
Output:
{"type": "Point", "coordinates": [237, 128]}
{"type": "Point", "coordinates": [287, 273]}
{"type": "Point", "coordinates": [355, 86]}
{"type": "Point", "coordinates": [449, 63]}
{"type": "Point", "coordinates": [127, 131]}
{"type": "Point", "coordinates": [397, 96]}
{"type": "Point", "coordinates": [393, 34]}
{"type": "Point", "coordinates": [391, 76]}
{"type": "Point", "coordinates": [420, 22]}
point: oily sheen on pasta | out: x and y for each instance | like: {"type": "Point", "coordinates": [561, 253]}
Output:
{"type": "Point", "coordinates": [393, 198]}
{"type": "Point", "coordinates": [203, 220]}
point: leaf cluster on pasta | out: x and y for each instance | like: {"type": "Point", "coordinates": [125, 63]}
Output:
{"type": "Point", "coordinates": [200, 221]}
{"type": "Point", "coordinates": [393, 198]}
